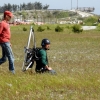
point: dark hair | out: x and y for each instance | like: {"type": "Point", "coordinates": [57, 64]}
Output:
{"type": "Point", "coordinates": [4, 16]}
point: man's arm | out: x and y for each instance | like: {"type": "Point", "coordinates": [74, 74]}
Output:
{"type": "Point", "coordinates": [43, 58]}
{"type": "Point", "coordinates": [1, 27]}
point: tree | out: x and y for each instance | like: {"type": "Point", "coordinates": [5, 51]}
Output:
{"type": "Point", "coordinates": [14, 7]}
{"type": "Point", "coordinates": [9, 7]}
{"type": "Point", "coordinates": [37, 5]}
{"type": "Point", "coordinates": [45, 6]}
{"type": "Point", "coordinates": [30, 6]}
{"type": "Point", "coordinates": [1, 9]}
{"type": "Point", "coordinates": [24, 6]}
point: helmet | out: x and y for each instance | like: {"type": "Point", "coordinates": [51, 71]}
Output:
{"type": "Point", "coordinates": [44, 42]}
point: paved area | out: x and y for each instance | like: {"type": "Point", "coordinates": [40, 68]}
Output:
{"type": "Point", "coordinates": [88, 27]}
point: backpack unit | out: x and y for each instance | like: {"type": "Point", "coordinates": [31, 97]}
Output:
{"type": "Point", "coordinates": [31, 54]}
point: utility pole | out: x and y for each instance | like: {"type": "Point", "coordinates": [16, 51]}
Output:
{"type": "Point", "coordinates": [71, 4]}
{"type": "Point", "coordinates": [77, 4]}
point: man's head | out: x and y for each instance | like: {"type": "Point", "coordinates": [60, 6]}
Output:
{"type": "Point", "coordinates": [7, 15]}
{"type": "Point", "coordinates": [45, 44]}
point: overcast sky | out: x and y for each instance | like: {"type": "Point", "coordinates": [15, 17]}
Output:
{"type": "Point", "coordinates": [60, 4]}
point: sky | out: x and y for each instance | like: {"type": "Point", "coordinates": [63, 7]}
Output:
{"type": "Point", "coordinates": [60, 4]}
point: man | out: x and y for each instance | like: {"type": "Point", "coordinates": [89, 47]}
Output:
{"type": "Point", "coordinates": [5, 36]}
{"type": "Point", "coordinates": [42, 64]}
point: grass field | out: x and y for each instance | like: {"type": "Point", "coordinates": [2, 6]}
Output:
{"type": "Point", "coordinates": [75, 57]}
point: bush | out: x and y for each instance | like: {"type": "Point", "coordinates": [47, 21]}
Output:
{"type": "Point", "coordinates": [24, 29]}
{"type": "Point", "coordinates": [40, 29]}
{"type": "Point", "coordinates": [58, 29]}
{"type": "Point", "coordinates": [77, 28]}
{"type": "Point", "coordinates": [33, 23]}
{"type": "Point", "coordinates": [98, 27]}
{"type": "Point", "coordinates": [69, 26]}
{"type": "Point", "coordinates": [48, 28]}
{"type": "Point", "coordinates": [90, 20]}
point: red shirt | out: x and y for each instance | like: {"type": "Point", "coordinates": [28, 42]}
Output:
{"type": "Point", "coordinates": [4, 32]}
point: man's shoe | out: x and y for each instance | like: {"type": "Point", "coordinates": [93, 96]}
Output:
{"type": "Point", "coordinates": [12, 71]}
{"type": "Point", "coordinates": [53, 72]}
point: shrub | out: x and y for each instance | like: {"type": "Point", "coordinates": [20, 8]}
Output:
{"type": "Point", "coordinates": [90, 20]}
{"type": "Point", "coordinates": [77, 28]}
{"type": "Point", "coordinates": [33, 23]}
{"type": "Point", "coordinates": [58, 29]}
{"type": "Point", "coordinates": [69, 26]}
{"type": "Point", "coordinates": [48, 28]}
{"type": "Point", "coordinates": [24, 29]}
{"type": "Point", "coordinates": [40, 29]}
{"type": "Point", "coordinates": [98, 27]}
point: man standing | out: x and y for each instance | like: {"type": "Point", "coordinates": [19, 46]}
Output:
{"type": "Point", "coordinates": [42, 64]}
{"type": "Point", "coordinates": [5, 36]}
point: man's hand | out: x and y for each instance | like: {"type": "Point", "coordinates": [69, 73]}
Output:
{"type": "Point", "coordinates": [47, 67]}
{"type": "Point", "coordinates": [10, 44]}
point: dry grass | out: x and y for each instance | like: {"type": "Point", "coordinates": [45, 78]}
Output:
{"type": "Point", "coordinates": [75, 57]}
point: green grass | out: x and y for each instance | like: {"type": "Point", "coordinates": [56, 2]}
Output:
{"type": "Point", "coordinates": [75, 57]}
